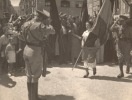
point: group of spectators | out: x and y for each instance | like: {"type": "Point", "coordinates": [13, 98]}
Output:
{"type": "Point", "coordinates": [66, 45]}
{"type": "Point", "coordinates": [63, 47]}
{"type": "Point", "coordinates": [10, 57]}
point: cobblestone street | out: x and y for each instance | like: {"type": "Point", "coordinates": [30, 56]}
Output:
{"type": "Point", "coordinates": [62, 83]}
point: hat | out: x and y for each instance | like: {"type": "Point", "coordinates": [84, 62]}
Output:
{"type": "Point", "coordinates": [45, 14]}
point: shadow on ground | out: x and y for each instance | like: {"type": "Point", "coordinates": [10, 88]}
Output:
{"type": "Point", "coordinates": [57, 97]}
{"type": "Point", "coordinates": [6, 81]}
{"type": "Point", "coordinates": [108, 78]}
{"type": "Point", "coordinates": [22, 73]}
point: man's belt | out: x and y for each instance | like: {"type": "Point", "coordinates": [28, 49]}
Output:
{"type": "Point", "coordinates": [33, 44]}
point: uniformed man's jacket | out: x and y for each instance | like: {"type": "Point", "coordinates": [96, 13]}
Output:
{"type": "Point", "coordinates": [35, 32]}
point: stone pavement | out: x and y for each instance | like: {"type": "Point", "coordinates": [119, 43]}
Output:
{"type": "Point", "coordinates": [62, 83]}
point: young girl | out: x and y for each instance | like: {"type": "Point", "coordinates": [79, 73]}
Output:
{"type": "Point", "coordinates": [89, 52]}
{"type": "Point", "coordinates": [10, 55]}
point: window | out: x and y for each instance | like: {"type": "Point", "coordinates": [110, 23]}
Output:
{"type": "Point", "coordinates": [47, 3]}
{"type": "Point", "coordinates": [79, 4]}
{"type": "Point", "coordinates": [65, 3]}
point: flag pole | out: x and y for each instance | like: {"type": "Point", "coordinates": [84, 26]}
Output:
{"type": "Point", "coordinates": [77, 59]}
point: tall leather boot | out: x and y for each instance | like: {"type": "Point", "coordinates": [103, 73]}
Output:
{"type": "Point", "coordinates": [35, 91]}
{"type": "Point", "coordinates": [29, 90]}
{"type": "Point", "coordinates": [121, 71]}
{"type": "Point", "coordinates": [94, 71]}
{"type": "Point", "coordinates": [87, 73]}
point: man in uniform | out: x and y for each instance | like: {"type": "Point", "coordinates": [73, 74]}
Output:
{"type": "Point", "coordinates": [122, 34]}
{"type": "Point", "coordinates": [34, 33]}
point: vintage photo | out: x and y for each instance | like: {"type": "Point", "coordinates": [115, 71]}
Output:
{"type": "Point", "coordinates": [65, 49]}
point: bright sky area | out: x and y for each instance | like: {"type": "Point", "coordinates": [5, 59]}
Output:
{"type": "Point", "coordinates": [15, 2]}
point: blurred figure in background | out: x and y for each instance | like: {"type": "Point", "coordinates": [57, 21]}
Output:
{"type": "Point", "coordinates": [123, 44]}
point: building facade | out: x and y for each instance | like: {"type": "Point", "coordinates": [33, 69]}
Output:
{"type": "Point", "coordinates": [94, 6]}
{"type": "Point", "coordinates": [71, 7]}
{"type": "Point", "coordinates": [119, 8]}
{"type": "Point", "coordinates": [24, 7]}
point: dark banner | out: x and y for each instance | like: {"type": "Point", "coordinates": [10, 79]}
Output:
{"type": "Point", "coordinates": [55, 16]}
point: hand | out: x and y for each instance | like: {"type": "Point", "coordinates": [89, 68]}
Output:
{"type": "Point", "coordinates": [70, 31]}
{"type": "Point", "coordinates": [18, 51]}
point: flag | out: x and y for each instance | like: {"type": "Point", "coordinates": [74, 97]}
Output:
{"type": "Point", "coordinates": [83, 17]}
{"type": "Point", "coordinates": [55, 21]}
{"type": "Point", "coordinates": [102, 24]}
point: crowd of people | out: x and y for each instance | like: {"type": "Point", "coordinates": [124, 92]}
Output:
{"type": "Point", "coordinates": [8, 48]}
{"type": "Point", "coordinates": [63, 47]}
{"type": "Point", "coordinates": [31, 41]}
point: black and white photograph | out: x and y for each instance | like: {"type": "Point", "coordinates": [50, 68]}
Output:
{"type": "Point", "coordinates": [65, 49]}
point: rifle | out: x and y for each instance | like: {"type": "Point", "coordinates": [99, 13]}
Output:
{"type": "Point", "coordinates": [45, 49]}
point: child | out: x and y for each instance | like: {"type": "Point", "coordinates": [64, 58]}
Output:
{"type": "Point", "coordinates": [10, 55]}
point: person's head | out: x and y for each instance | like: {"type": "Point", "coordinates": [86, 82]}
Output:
{"type": "Point", "coordinates": [5, 29]}
{"type": "Point", "coordinates": [77, 19]}
{"type": "Point", "coordinates": [10, 37]}
{"type": "Point", "coordinates": [64, 21]}
{"type": "Point", "coordinates": [89, 25]}
{"type": "Point", "coordinates": [122, 19]}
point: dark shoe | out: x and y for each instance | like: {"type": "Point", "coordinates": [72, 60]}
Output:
{"type": "Point", "coordinates": [94, 71]}
{"type": "Point", "coordinates": [128, 70]}
{"type": "Point", "coordinates": [120, 75]}
{"type": "Point", "coordinates": [86, 76]}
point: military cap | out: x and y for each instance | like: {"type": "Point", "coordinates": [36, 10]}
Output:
{"type": "Point", "coordinates": [45, 14]}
